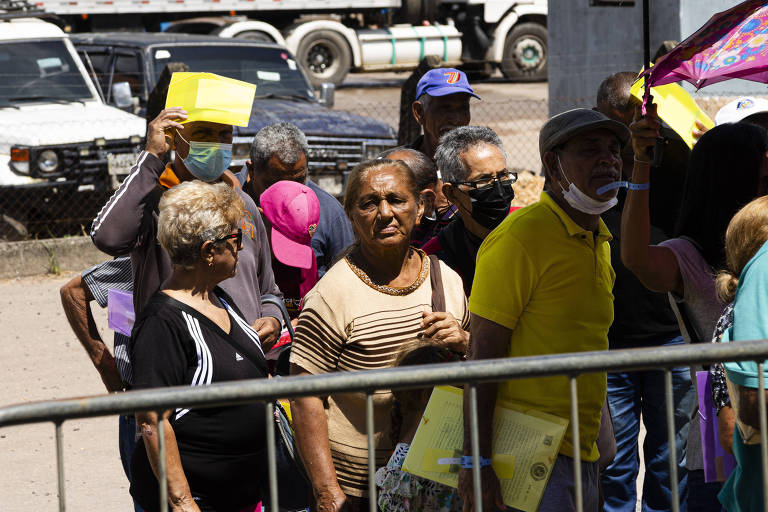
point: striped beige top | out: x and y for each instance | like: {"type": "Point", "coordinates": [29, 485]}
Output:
{"type": "Point", "coordinates": [345, 325]}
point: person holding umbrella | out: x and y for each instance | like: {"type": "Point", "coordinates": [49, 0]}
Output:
{"type": "Point", "coordinates": [685, 265]}
{"type": "Point", "coordinates": [643, 319]}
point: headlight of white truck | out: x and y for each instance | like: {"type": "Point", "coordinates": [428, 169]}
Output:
{"type": "Point", "coordinates": [20, 160]}
{"type": "Point", "coordinates": [48, 161]}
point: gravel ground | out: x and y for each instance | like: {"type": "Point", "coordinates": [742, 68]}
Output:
{"type": "Point", "coordinates": [40, 359]}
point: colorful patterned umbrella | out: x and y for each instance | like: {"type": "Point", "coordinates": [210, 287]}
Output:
{"type": "Point", "coordinates": [732, 44]}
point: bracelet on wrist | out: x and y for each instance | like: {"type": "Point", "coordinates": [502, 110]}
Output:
{"type": "Point", "coordinates": [465, 461]}
{"type": "Point", "coordinates": [623, 184]}
{"type": "Point", "coordinates": [642, 161]}
{"type": "Point", "coordinates": [639, 186]}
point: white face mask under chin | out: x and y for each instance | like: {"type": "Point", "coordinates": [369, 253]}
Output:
{"type": "Point", "coordinates": [581, 201]}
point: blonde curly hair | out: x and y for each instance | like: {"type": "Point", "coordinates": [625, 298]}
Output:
{"type": "Point", "coordinates": [194, 212]}
{"type": "Point", "coordinates": [746, 234]}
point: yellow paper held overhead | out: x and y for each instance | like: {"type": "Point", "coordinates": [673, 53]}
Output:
{"type": "Point", "coordinates": [210, 97]}
{"type": "Point", "coordinates": [675, 107]}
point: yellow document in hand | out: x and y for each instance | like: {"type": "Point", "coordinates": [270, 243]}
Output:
{"type": "Point", "coordinates": [210, 97]}
{"type": "Point", "coordinates": [525, 446]}
{"type": "Point", "coordinates": [675, 107]}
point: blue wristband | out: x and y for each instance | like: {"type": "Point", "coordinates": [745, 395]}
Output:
{"type": "Point", "coordinates": [466, 462]}
{"type": "Point", "coordinates": [623, 184]}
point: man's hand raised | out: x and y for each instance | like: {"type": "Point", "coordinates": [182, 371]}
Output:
{"type": "Point", "coordinates": [159, 130]}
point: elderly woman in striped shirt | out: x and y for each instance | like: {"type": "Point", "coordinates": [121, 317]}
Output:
{"type": "Point", "coordinates": [363, 311]}
{"type": "Point", "coordinates": [191, 333]}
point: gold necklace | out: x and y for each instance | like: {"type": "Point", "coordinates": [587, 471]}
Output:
{"type": "Point", "coordinates": [393, 290]}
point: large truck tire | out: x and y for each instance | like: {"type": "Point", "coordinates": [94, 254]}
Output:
{"type": "Point", "coordinates": [525, 53]}
{"type": "Point", "coordinates": [325, 56]}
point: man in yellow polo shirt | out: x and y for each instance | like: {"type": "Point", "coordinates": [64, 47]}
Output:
{"type": "Point", "coordinates": [543, 286]}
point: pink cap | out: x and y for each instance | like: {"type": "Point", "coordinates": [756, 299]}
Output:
{"type": "Point", "coordinates": [293, 210]}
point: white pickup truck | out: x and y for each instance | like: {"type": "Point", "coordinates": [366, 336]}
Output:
{"type": "Point", "coordinates": [56, 132]}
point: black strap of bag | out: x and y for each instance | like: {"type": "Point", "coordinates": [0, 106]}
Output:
{"type": "Point", "coordinates": [268, 298]}
{"type": "Point", "coordinates": [436, 280]}
{"type": "Point", "coordinates": [282, 365]}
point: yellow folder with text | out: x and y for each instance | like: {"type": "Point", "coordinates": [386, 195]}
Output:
{"type": "Point", "coordinates": [525, 446]}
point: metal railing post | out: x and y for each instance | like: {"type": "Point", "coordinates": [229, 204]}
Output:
{"type": "Point", "coordinates": [60, 466]}
{"type": "Point", "coordinates": [474, 436]}
{"type": "Point", "coordinates": [763, 431]}
{"type": "Point", "coordinates": [163, 462]}
{"type": "Point", "coordinates": [671, 440]}
{"type": "Point", "coordinates": [372, 502]}
{"type": "Point", "coordinates": [271, 460]}
{"type": "Point", "coordinates": [576, 445]}
{"type": "Point", "coordinates": [259, 390]}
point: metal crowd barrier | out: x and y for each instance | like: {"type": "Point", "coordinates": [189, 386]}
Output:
{"type": "Point", "coordinates": [467, 373]}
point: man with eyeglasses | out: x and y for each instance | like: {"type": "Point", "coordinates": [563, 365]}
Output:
{"type": "Point", "coordinates": [442, 103]}
{"type": "Point", "coordinates": [643, 318]}
{"type": "Point", "coordinates": [473, 164]}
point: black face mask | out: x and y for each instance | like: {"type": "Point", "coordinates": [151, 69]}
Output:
{"type": "Point", "coordinates": [490, 204]}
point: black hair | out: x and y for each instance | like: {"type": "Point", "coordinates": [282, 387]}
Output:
{"type": "Point", "coordinates": [723, 175]}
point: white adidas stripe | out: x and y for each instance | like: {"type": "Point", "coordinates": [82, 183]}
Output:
{"type": "Point", "coordinates": [209, 358]}
{"type": "Point", "coordinates": [204, 371]}
{"type": "Point", "coordinates": [111, 203]}
{"type": "Point", "coordinates": [202, 364]}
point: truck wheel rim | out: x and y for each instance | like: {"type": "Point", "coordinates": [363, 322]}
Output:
{"type": "Point", "coordinates": [322, 59]}
{"type": "Point", "coordinates": [529, 53]}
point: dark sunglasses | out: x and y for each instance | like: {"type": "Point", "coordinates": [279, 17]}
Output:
{"type": "Point", "coordinates": [238, 237]}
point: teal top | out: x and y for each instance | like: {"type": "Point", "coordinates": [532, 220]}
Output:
{"type": "Point", "coordinates": [743, 491]}
{"type": "Point", "coordinates": [750, 321]}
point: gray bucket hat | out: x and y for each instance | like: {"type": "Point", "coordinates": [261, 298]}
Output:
{"type": "Point", "coordinates": [562, 127]}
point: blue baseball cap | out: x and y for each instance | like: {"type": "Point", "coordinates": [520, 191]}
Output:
{"type": "Point", "coordinates": [444, 81]}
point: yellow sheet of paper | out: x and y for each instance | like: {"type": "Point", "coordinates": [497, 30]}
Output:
{"type": "Point", "coordinates": [525, 446]}
{"type": "Point", "coordinates": [676, 107]}
{"type": "Point", "coordinates": [210, 97]}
